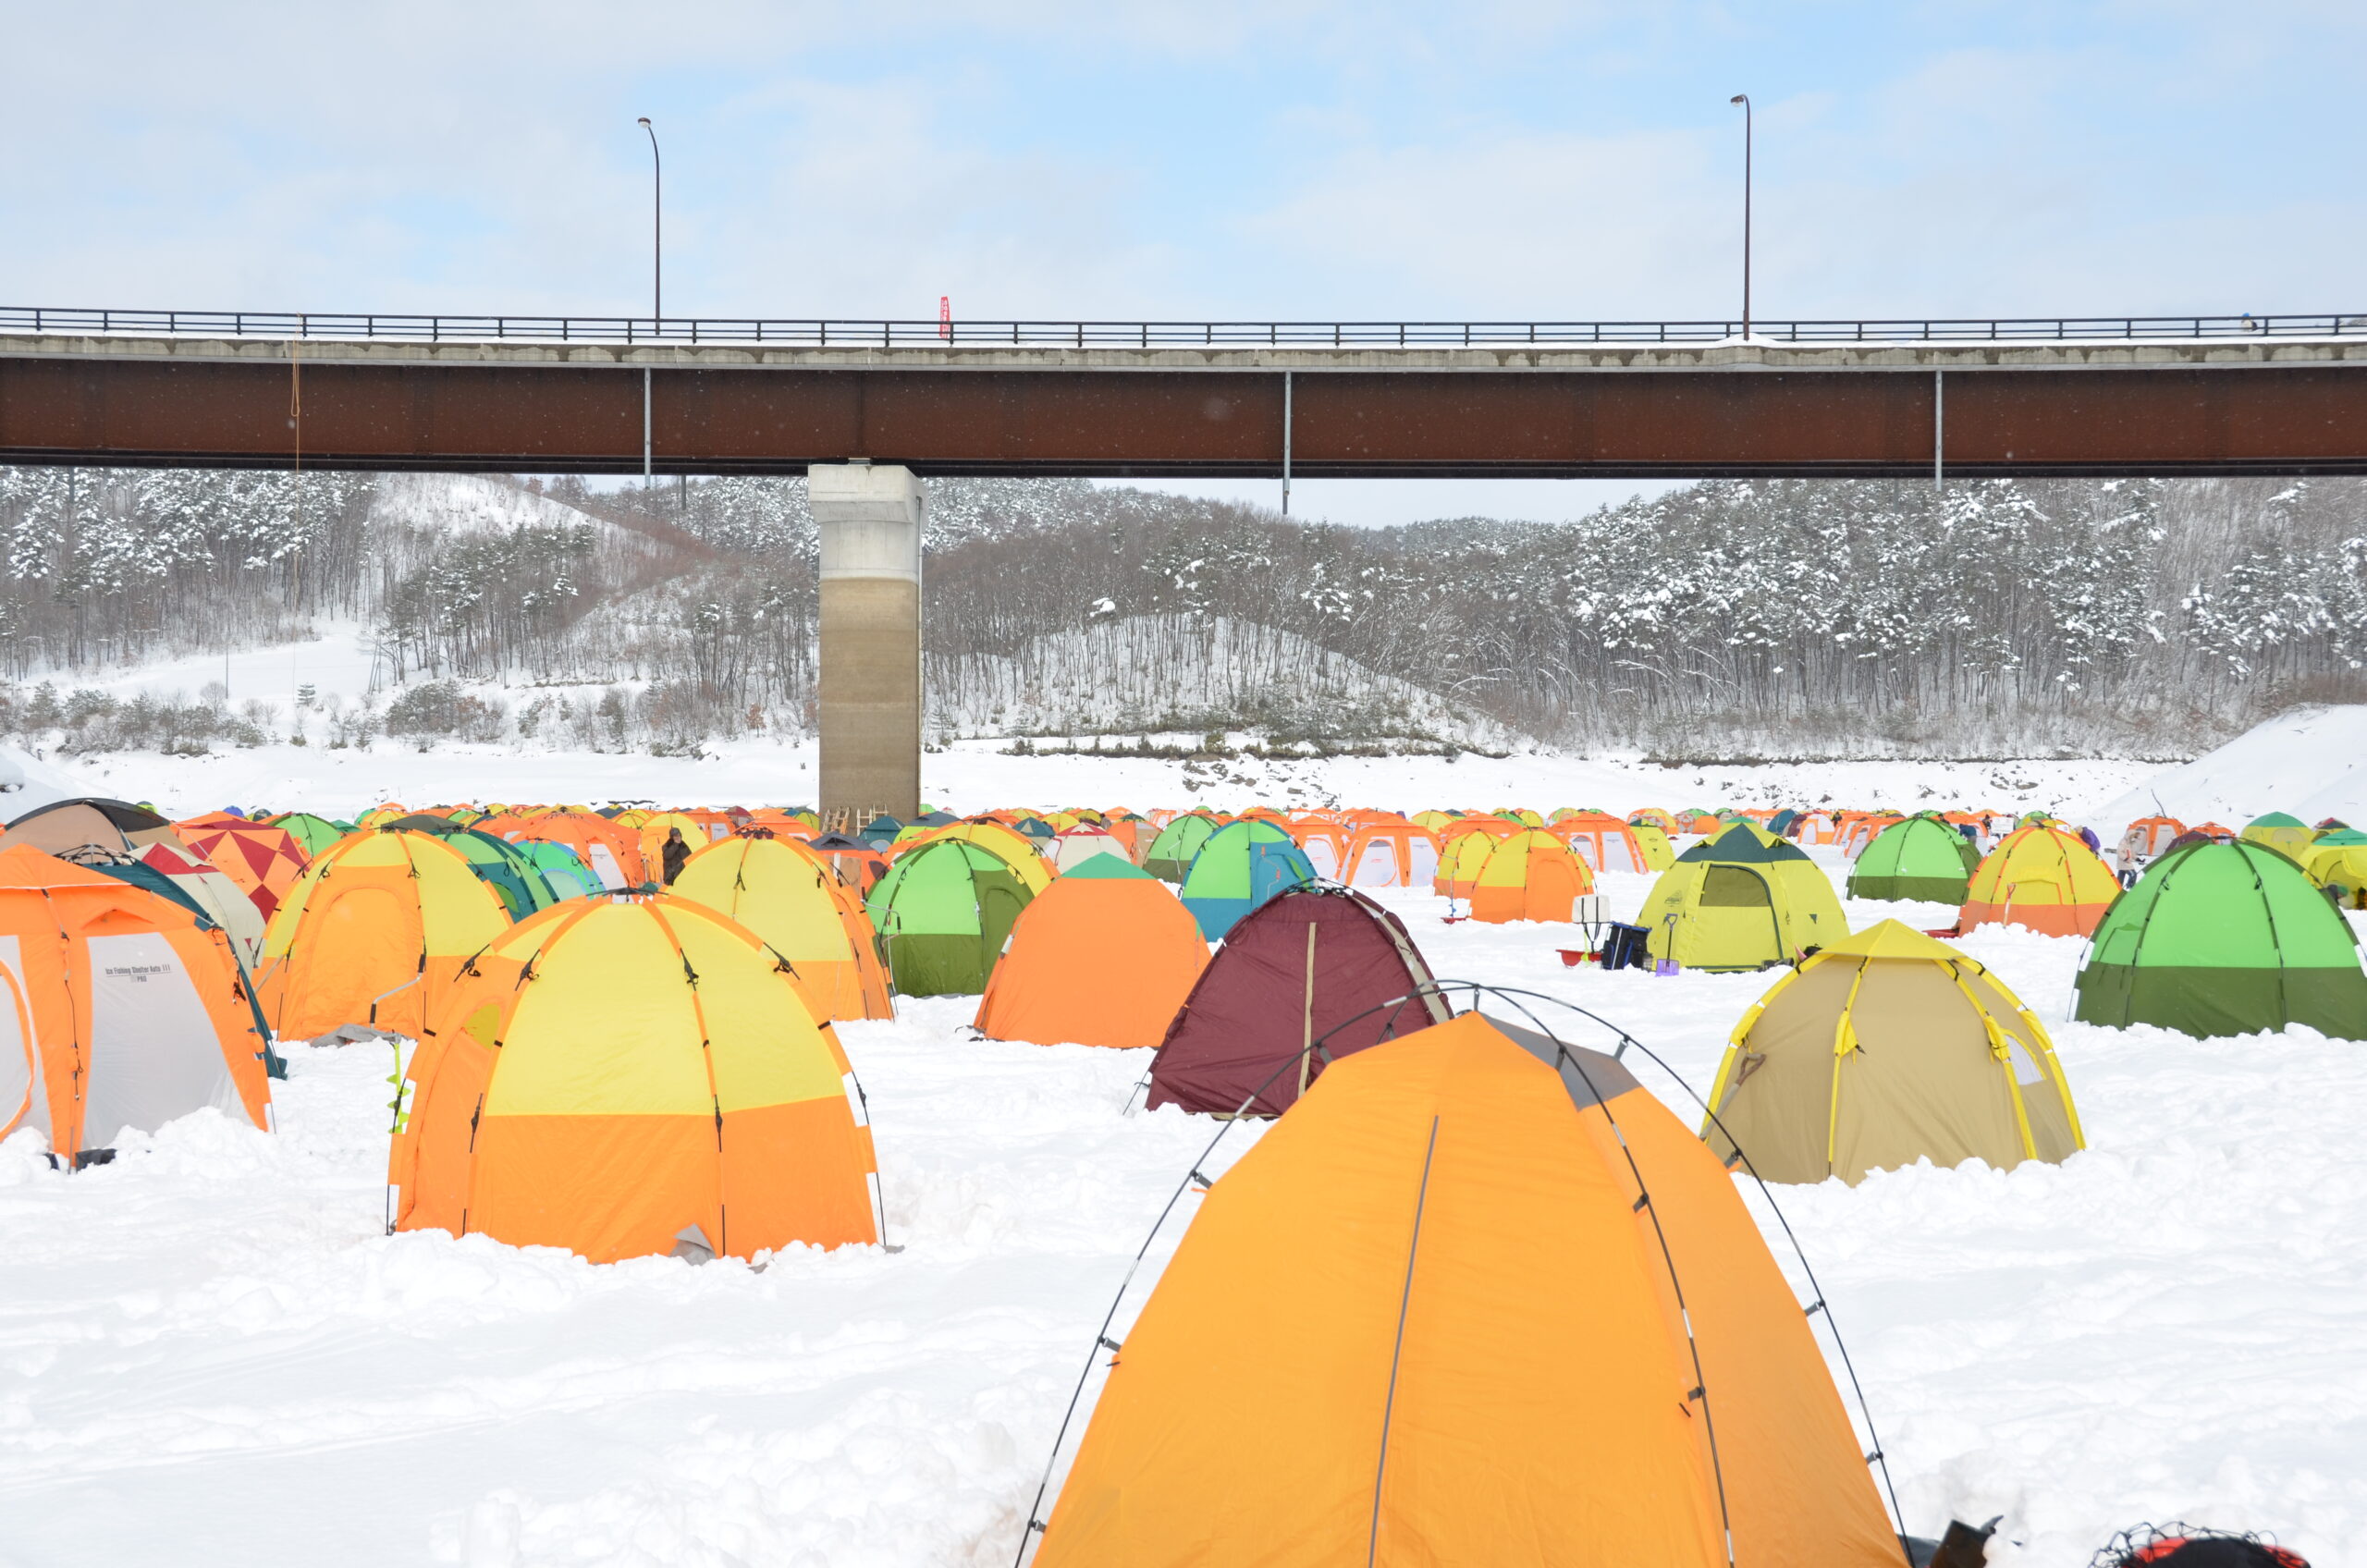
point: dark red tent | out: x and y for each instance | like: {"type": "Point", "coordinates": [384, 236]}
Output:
{"type": "Point", "coordinates": [1294, 969]}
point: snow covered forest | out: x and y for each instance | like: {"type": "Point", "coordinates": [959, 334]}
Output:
{"type": "Point", "coordinates": [1721, 620]}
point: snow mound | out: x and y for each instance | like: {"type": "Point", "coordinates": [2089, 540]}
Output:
{"type": "Point", "coordinates": [2311, 762]}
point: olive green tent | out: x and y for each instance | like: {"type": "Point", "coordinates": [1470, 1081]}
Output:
{"type": "Point", "coordinates": [2224, 940]}
{"type": "Point", "coordinates": [944, 911]}
{"type": "Point", "coordinates": [1741, 900]}
{"type": "Point", "coordinates": [1922, 857]}
{"type": "Point", "coordinates": [1171, 853]}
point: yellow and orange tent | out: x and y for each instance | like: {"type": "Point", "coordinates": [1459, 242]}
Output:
{"type": "Point", "coordinates": [1103, 956]}
{"type": "Point", "coordinates": [2044, 878]}
{"type": "Point", "coordinates": [1530, 876]}
{"type": "Point", "coordinates": [798, 908]}
{"type": "Point", "coordinates": [659, 1086]}
{"type": "Point", "coordinates": [372, 934]}
{"type": "Point", "coordinates": [1343, 1363]}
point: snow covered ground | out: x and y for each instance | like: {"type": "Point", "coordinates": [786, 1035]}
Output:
{"type": "Point", "coordinates": [210, 1353]}
{"type": "Point", "coordinates": [977, 775]}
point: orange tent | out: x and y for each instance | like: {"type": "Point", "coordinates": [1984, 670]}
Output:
{"type": "Point", "coordinates": [118, 1010]}
{"type": "Point", "coordinates": [1103, 956]}
{"type": "Point", "coordinates": [1602, 840]}
{"type": "Point", "coordinates": [1391, 852]}
{"type": "Point", "coordinates": [611, 851]}
{"type": "Point", "coordinates": [263, 860]}
{"type": "Point", "coordinates": [1530, 876]}
{"type": "Point", "coordinates": [661, 1087]}
{"type": "Point", "coordinates": [1343, 1361]}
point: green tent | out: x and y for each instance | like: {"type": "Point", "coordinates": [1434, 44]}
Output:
{"type": "Point", "coordinates": [312, 834]}
{"type": "Point", "coordinates": [944, 911]}
{"type": "Point", "coordinates": [1922, 857]}
{"type": "Point", "coordinates": [1242, 865]}
{"type": "Point", "coordinates": [562, 869]}
{"type": "Point", "coordinates": [1172, 851]}
{"type": "Point", "coordinates": [2224, 940]}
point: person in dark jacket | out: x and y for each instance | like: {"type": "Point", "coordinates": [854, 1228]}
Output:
{"type": "Point", "coordinates": [676, 855]}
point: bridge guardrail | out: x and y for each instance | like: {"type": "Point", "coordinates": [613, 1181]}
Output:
{"type": "Point", "coordinates": [632, 331]}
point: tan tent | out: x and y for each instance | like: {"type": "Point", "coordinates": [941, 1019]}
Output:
{"type": "Point", "coordinates": [1886, 1048]}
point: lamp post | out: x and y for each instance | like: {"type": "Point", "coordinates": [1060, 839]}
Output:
{"type": "Point", "coordinates": [656, 284]}
{"type": "Point", "coordinates": [1744, 99]}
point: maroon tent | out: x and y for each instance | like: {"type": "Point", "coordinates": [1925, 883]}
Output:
{"type": "Point", "coordinates": [1297, 967]}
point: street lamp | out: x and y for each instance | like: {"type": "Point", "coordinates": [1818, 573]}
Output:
{"type": "Point", "coordinates": [1745, 100]}
{"type": "Point", "coordinates": [657, 282]}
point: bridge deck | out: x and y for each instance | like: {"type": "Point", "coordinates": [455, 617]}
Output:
{"type": "Point", "coordinates": [2266, 404]}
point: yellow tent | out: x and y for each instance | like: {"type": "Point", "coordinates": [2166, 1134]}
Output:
{"type": "Point", "coordinates": [1460, 1308]}
{"type": "Point", "coordinates": [1742, 901]}
{"type": "Point", "coordinates": [1886, 1048]}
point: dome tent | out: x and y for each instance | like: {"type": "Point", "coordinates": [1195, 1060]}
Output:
{"type": "Point", "coordinates": [2040, 878]}
{"type": "Point", "coordinates": [263, 860]}
{"type": "Point", "coordinates": [1740, 901]}
{"type": "Point", "coordinates": [1310, 963]}
{"type": "Point", "coordinates": [797, 908]}
{"type": "Point", "coordinates": [2224, 940]}
{"type": "Point", "coordinates": [1240, 867]}
{"type": "Point", "coordinates": [500, 864]}
{"type": "Point", "coordinates": [1390, 854]}
{"type": "Point", "coordinates": [2339, 863]}
{"type": "Point", "coordinates": [1602, 842]}
{"type": "Point", "coordinates": [1370, 1279]}
{"type": "Point", "coordinates": [121, 1009]}
{"type": "Point", "coordinates": [1922, 858]}
{"type": "Point", "coordinates": [372, 934]}
{"type": "Point", "coordinates": [1886, 1048]}
{"type": "Point", "coordinates": [119, 827]}
{"type": "Point", "coordinates": [1171, 852]}
{"type": "Point", "coordinates": [312, 834]}
{"type": "Point", "coordinates": [2289, 835]}
{"type": "Point", "coordinates": [660, 1086]}
{"type": "Point", "coordinates": [944, 911]}
{"type": "Point", "coordinates": [1015, 850]}
{"type": "Point", "coordinates": [1103, 956]}
{"type": "Point", "coordinates": [1531, 875]}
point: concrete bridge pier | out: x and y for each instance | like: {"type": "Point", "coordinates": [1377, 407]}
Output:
{"type": "Point", "coordinates": [869, 517]}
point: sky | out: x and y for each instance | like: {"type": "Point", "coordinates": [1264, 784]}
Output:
{"type": "Point", "coordinates": [1228, 159]}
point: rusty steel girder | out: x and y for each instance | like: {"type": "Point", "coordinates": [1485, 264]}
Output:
{"type": "Point", "coordinates": [2268, 419]}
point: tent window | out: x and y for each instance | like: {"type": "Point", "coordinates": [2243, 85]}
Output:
{"type": "Point", "coordinates": [1728, 887]}
{"type": "Point", "coordinates": [2026, 1068]}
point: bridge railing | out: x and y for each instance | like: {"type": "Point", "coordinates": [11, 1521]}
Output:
{"type": "Point", "coordinates": [792, 333]}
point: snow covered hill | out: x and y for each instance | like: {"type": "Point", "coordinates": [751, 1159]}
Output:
{"type": "Point", "coordinates": [2310, 763]}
